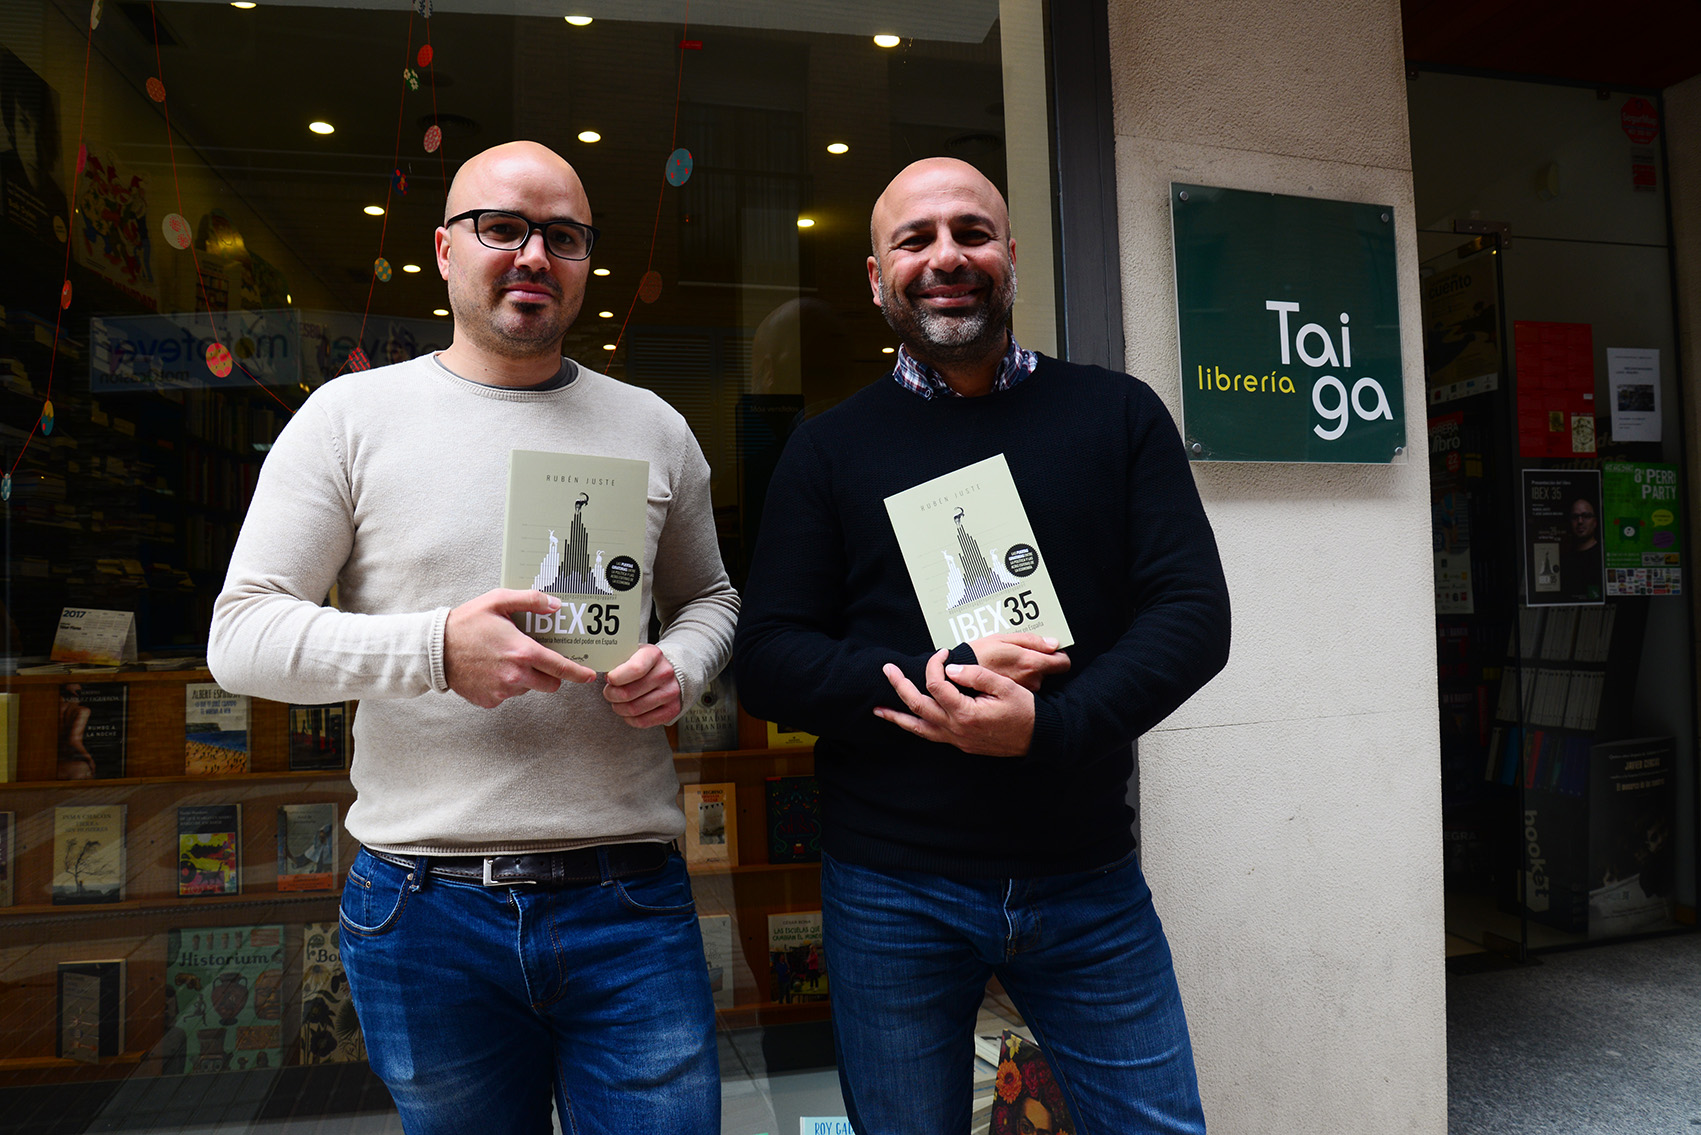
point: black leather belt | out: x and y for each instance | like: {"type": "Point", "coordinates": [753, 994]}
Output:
{"type": "Point", "coordinates": [546, 869]}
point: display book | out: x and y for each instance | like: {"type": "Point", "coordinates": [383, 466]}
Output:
{"type": "Point", "coordinates": [209, 849]}
{"type": "Point", "coordinates": [223, 999]}
{"type": "Point", "coordinates": [307, 847]}
{"type": "Point", "coordinates": [90, 1025]}
{"type": "Point", "coordinates": [330, 1030]}
{"type": "Point", "coordinates": [88, 854]}
{"type": "Point", "coordinates": [794, 819]}
{"type": "Point", "coordinates": [797, 959]}
{"type": "Point", "coordinates": [92, 719]}
{"type": "Point", "coordinates": [318, 737]}
{"type": "Point", "coordinates": [215, 730]}
{"type": "Point", "coordinates": [711, 824]}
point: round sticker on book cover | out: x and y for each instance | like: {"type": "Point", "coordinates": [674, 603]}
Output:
{"type": "Point", "coordinates": [156, 89]}
{"type": "Point", "coordinates": [649, 288]}
{"type": "Point", "coordinates": [425, 56]}
{"type": "Point", "coordinates": [218, 359]}
{"type": "Point", "coordinates": [381, 268]}
{"type": "Point", "coordinates": [679, 167]}
{"type": "Point", "coordinates": [433, 139]}
{"type": "Point", "coordinates": [622, 573]}
{"type": "Point", "coordinates": [65, 295]}
{"type": "Point", "coordinates": [1021, 560]}
{"type": "Point", "coordinates": [176, 230]}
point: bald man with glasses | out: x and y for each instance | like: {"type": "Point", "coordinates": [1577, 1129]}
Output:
{"type": "Point", "coordinates": [518, 925]}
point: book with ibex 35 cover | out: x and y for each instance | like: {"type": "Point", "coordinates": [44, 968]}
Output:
{"type": "Point", "coordinates": [973, 560]}
{"type": "Point", "coordinates": [575, 528]}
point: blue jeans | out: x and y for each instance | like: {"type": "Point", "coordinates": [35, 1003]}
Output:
{"type": "Point", "coordinates": [1082, 956]}
{"type": "Point", "coordinates": [475, 1001]}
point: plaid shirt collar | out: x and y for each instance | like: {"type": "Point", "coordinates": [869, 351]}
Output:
{"type": "Point", "coordinates": [919, 378]}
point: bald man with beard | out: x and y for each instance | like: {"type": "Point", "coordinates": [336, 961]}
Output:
{"type": "Point", "coordinates": [518, 926]}
{"type": "Point", "coordinates": [975, 801]}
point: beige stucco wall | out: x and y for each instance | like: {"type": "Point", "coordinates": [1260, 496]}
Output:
{"type": "Point", "coordinates": [1291, 811]}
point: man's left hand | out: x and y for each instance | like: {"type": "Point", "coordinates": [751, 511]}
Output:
{"type": "Point", "coordinates": [998, 723]}
{"type": "Point", "coordinates": [644, 690]}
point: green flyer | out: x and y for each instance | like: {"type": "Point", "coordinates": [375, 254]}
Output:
{"type": "Point", "coordinates": [1642, 526]}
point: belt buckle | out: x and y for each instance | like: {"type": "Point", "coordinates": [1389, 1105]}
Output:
{"type": "Point", "coordinates": [491, 881]}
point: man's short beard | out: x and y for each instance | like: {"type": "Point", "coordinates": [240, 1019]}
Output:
{"type": "Point", "coordinates": [937, 338]}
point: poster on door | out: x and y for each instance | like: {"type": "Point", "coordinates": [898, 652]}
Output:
{"type": "Point", "coordinates": [1642, 528]}
{"type": "Point", "coordinates": [1564, 561]}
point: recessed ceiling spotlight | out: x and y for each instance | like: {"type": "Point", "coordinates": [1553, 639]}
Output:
{"type": "Point", "coordinates": [577, 21]}
{"type": "Point", "coordinates": [243, 4]}
{"type": "Point", "coordinates": [887, 41]}
{"type": "Point", "coordinates": [605, 315]}
{"type": "Point", "coordinates": [599, 271]}
{"type": "Point", "coordinates": [321, 128]}
{"type": "Point", "coordinates": [838, 148]}
{"type": "Point", "coordinates": [806, 222]}
{"type": "Point", "coordinates": [888, 350]}
{"type": "Point", "coordinates": [288, 298]}
{"type": "Point", "coordinates": [439, 311]}
{"type": "Point", "coordinates": [410, 267]}
{"type": "Point", "coordinates": [608, 346]}
{"type": "Point", "coordinates": [589, 136]}
{"type": "Point", "coordinates": [374, 210]}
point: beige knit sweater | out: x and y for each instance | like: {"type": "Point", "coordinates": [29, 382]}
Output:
{"type": "Point", "coordinates": [391, 484]}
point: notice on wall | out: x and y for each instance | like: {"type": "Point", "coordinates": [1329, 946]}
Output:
{"type": "Point", "coordinates": [1563, 554]}
{"type": "Point", "coordinates": [1556, 388]}
{"type": "Point", "coordinates": [1633, 386]}
{"type": "Point", "coordinates": [1461, 320]}
{"type": "Point", "coordinates": [1642, 528]}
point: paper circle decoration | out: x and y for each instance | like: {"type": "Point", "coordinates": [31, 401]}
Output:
{"type": "Point", "coordinates": [357, 360]}
{"type": "Point", "coordinates": [6, 487]}
{"type": "Point", "coordinates": [82, 157]}
{"type": "Point", "coordinates": [65, 295]}
{"type": "Point", "coordinates": [425, 56]}
{"type": "Point", "coordinates": [678, 167]}
{"type": "Point", "coordinates": [94, 22]}
{"type": "Point", "coordinates": [156, 90]}
{"type": "Point", "coordinates": [382, 268]}
{"type": "Point", "coordinates": [218, 359]}
{"type": "Point", "coordinates": [649, 288]}
{"type": "Point", "coordinates": [47, 417]}
{"type": "Point", "coordinates": [423, 7]}
{"type": "Point", "coordinates": [176, 230]}
{"type": "Point", "coordinates": [433, 139]}
{"type": "Point", "coordinates": [410, 78]}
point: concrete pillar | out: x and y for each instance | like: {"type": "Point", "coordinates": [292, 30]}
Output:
{"type": "Point", "coordinates": [1291, 811]}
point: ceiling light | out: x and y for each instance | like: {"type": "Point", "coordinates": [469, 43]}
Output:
{"type": "Point", "coordinates": [886, 41]}
{"type": "Point", "coordinates": [605, 315]}
{"type": "Point", "coordinates": [410, 267]}
{"type": "Point", "coordinates": [439, 311]}
{"type": "Point", "coordinates": [806, 222]}
{"type": "Point", "coordinates": [288, 298]}
{"type": "Point", "coordinates": [838, 148]}
{"type": "Point", "coordinates": [243, 4]}
{"type": "Point", "coordinates": [577, 21]}
{"type": "Point", "coordinates": [589, 136]}
{"type": "Point", "coordinates": [374, 210]}
{"type": "Point", "coordinates": [599, 271]}
{"type": "Point", "coordinates": [888, 350]}
{"type": "Point", "coordinates": [608, 346]}
{"type": "Point", "coordinates": [321, 127]}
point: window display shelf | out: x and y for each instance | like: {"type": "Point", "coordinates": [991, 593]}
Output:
{"type": "Point", "coordinates": [339, 776]}
{"type": "Point", "coordinates": [11, 916]}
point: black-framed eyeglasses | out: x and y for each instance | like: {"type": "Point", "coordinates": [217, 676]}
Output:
{"type": "Point", "coordinates": [509, 232]}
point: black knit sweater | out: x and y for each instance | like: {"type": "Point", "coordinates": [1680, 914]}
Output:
{"type": "Point", "coordinates": [1108, 491]}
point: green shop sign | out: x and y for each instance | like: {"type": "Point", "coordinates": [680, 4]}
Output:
{"type": "Point", "coordinates": [1290, 327]}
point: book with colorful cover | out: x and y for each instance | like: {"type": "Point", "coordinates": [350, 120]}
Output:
{"type": "Point", "coordinates": [1026, 1095]}
{"type": "Point", "coordinates": [318, 737]}
{"type": "Point", "coordinates": [92, 718]}
{"type": "Point", "coordinates": [797, 961]}
{"type": "Point", "coordinates": [88, 854]}
{"type": "Point", "coordinates": [973, 559]}
{"type": "Point", "coordinates": [330, 1031]}
{"type": "Point", "coordinates": [215, 730]}
{"type": "Point", "coordinates": [224, 998]}
{"type": "Point", "coordinates": [717, 952]}
{"type": "Point", "coordinates": [307, 847]}
{"type": "Point", "coordinates": [91, 1010]}
{"type": "Point", "coordinates": [8, 824]}
{"type": "Point", "coordinates": [575, 528]}
{"type": "Point", "coordinates": [711, 823]}
{"type": "Point", "coordinates": [209, 849]}
{"type": "Point", "coordinates": [794, 819]}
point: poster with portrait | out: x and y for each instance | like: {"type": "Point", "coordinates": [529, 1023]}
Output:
{"type": "Point", "coordinates": [32, 196]}
{"type": "Point", "coordinates": [113, 236]}
{"type": "Point", "coordinates": [1564, 560]}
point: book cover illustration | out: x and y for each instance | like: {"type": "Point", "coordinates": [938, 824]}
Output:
{"type": "Point", "coordinates": [318, 737]}
{"type": "Point", "coordinates": [88, 854]}
{"type": "Point", "coordinates": [794, 819]}
{"type": "Point", "coordinates": [8, 825]}
{"type": "Point", "coordinates": [972, 556]}
{"type": "Point", "coordinates": [91, 730]}
{"type": "Point", "coordinates": [797, 962]}
{"type": "Point", "coordinates": [711, 823]}
{"type": "Point", "coordinates": [717, 953]}
{"type": "Point", "coordinates": [307, 847]}
{"type": "Point", "coordinates": [223, 999]}
{"type": "Point", "coordinates": [91, 1010]}
{"type": "Point", "coordinates": [1026, 1096]}
{"type": "Point", "coordinates": [215, 730]}
{"type": "Point", "coordinates": [575, 528]}
{"type": "Point", "coordinates": [209, 849]}
{"type": "Point", "coordinates": [711, 723]}
{"type": "Point", "coordinates": [330, 1031]}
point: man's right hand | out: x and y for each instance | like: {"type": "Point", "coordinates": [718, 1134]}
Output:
{"type": "Point", "coordinates": [1025, 659]}
{"type": "Point", "coordinates": [487, 659]}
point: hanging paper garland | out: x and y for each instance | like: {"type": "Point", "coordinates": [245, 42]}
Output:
{"type": "Point", "coordinates": [156, 90]}
{"type": "Point", "coordinates": [399, 182]}
{"type": "Point", "coordinates": [65, 295]}
{"type": "Point", "coordinates": [425, 56]}
{"type": "Point", "coordinates": [382, 268]}
{"type": "Point", "coordinates": [433, 139]}
{"type": "Point", "coordinates": [423, 7]}
{"type": "Point", "coordinates": [649, 288]}
{"type": "Point", "coordinates": [176, 230]}
{"type": "Point", "coordinates": [410, 78]}
{"type": "Point", "coordinates": [6, 487]}
{"type": "Point", "coordinates": [357, 360]}
{"type": "Point", "coordinates": [47, 417]}
{"type": "Point", "coordinates": [219, 360]}
{"type": "Point", "coordinates": [94, 15]}
{"type": "Point", "coordinates": [82, 157]}
{"type": "Point", "coordinates": [679, 167]}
